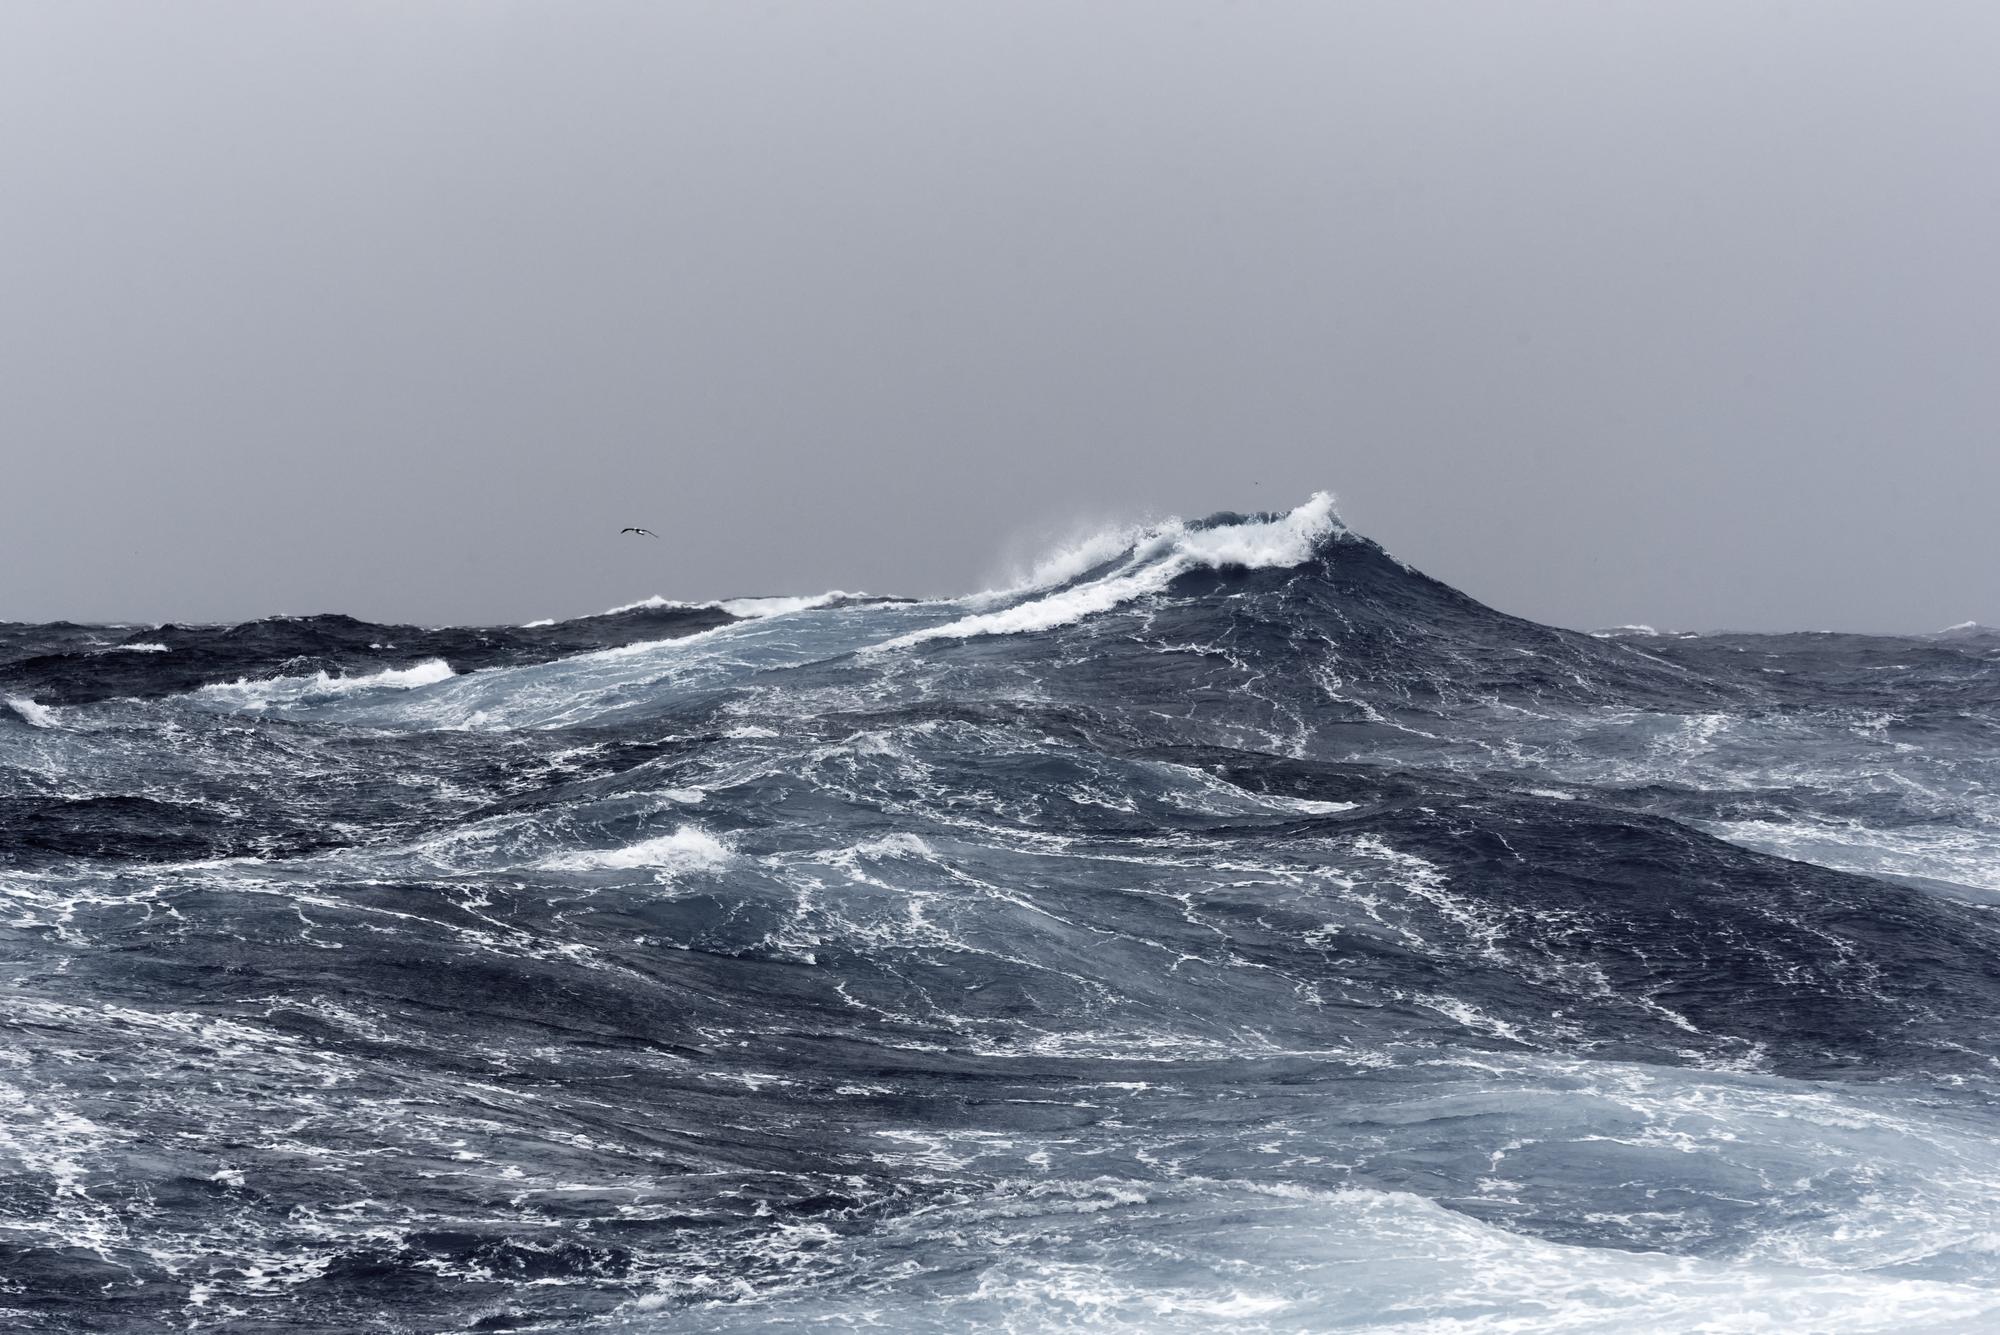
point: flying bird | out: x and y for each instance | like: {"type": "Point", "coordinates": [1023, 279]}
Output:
{"type": "Point", "coordinates": [642, 532]}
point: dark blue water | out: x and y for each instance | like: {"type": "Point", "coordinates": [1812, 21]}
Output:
{"type": "Point", "coordinates": [1230, 928]}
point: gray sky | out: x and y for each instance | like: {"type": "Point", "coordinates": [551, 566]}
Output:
{"type": "Point", "coordinates": [1684, 313]}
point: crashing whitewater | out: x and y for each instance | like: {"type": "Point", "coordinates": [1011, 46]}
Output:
{"type": "Point", "coordinates": [1230, 927]}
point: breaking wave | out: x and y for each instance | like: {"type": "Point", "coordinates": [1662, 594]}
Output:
{"type": "Point", "coordinates": [30, 713]}
{"type": "Point", "coordinates": [1100, 574]}
{"type": "Point", "coordinates": [686, 849]}
{"type": "Point", "coordinates": [743, 608]}
{"type": "Point", "coordinates": [322, 686]}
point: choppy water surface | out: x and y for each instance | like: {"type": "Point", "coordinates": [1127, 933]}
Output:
{"type": "Point", "coordinates": [1231, 927]}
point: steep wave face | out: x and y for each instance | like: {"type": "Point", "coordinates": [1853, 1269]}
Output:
{"type": "Point", "coordinates": [1229, 928]}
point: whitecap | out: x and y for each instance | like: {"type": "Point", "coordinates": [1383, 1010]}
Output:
{"type": "Point", "coordinates": [34, 715]}
{"type": "Point", "coordinates": [247, 694]}
{"type": "Point", "coordinates": [751, 609]}
{"type": "Point", "coordinates": [1309, 806]}
{"type": "Point", "coordinates": [743, 609]}
{"type": "Point", "coordinates": [1155, 557]}
{"type": "Point", "coordinates": [690, 848]}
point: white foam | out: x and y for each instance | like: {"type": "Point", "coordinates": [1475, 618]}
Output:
{"type": "Point", "coordinates": [1079, 557]}
{"type": "Point", "coordinates": [1199, 1255]}
{"type": "Point", "coordinates": [37, 716]}
{"type": "Point", "coordinates": [899, 845]}
{"type": "Point", "coordinates": [247, 694]}
{"type": "Point", "coordinates": [754, 608]}
{"type": "Point", "coordinates": [138, 649]}
{"type": "Point", "coordinates": [1155, 557]}
{"type": "Point", "coordinates": [1956, 855]}
{"type": "Point", "coordinates": [746, 609]}
{"type": "Point", "coordinates": [1060, 609]}
{"type": "Point", "coordinates": [653, 604]}
{"type": "Point", "coordinates": [689, 848]}
{"type": "Point", "coordinates": [1310, 806]}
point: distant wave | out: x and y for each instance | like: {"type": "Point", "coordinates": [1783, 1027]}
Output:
{"type": "Point", "coordinates": [247, 694]}
{"type": "Point", "coordinates": [745, 609]}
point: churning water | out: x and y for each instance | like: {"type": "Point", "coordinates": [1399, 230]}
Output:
{"type": "Point", "coordinates": [1229, 928]}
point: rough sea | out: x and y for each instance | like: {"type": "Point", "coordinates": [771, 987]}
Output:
{"type": "Point", "coordinates": [1229, 928]}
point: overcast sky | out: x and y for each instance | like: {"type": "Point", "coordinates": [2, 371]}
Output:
{"type": "Point", "coordinates": [1682, 313]}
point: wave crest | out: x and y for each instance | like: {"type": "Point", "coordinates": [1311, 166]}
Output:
{"type": "Point", "coordinates": [322, 686]}
{"type": "Point", "coordinates": [690, 848]}
{"type": "Point", "coordinates": [743, 609]}
{"type": "Point", "coordinates": [1153, 558]}
{"type": "Point", "coordinates": [32, 714]}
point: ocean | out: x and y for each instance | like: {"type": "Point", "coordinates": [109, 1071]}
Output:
{"type": "Point", "coordinates": [1227, 927]}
